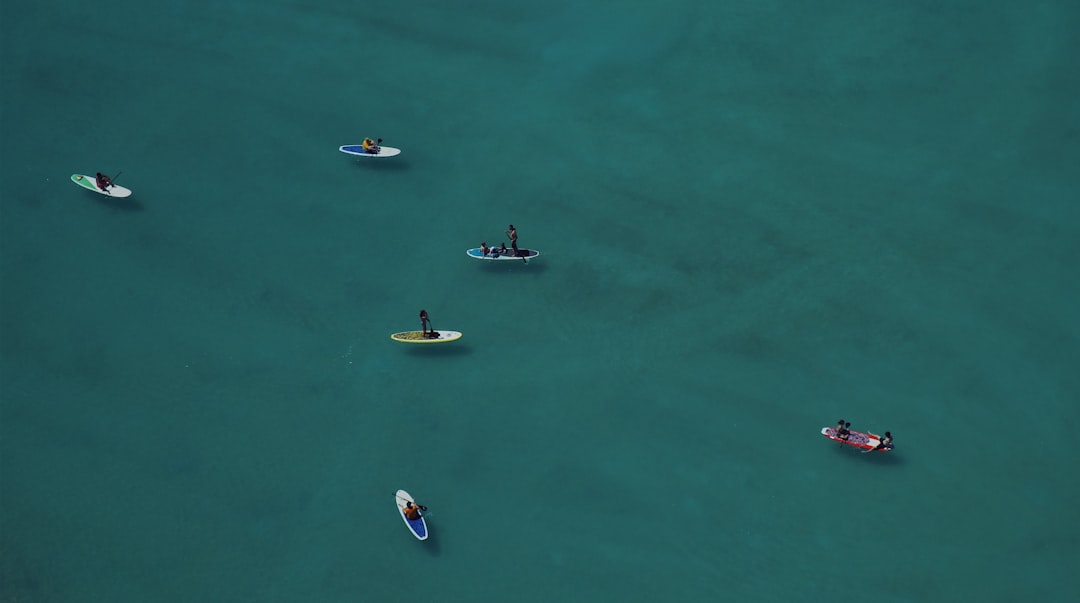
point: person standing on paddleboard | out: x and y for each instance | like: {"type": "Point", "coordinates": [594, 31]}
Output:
{"type": "Point", "coordinates": [511, 233]}
{"type": "Point", "coordinates": [425, 325]}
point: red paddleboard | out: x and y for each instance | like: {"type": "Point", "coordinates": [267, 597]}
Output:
{"type": "Point", "coordinates": [858, 439]}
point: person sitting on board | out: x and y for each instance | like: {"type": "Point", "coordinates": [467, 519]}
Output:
{"type": "Point", "coordinates": [512, 234]}
{"type": "Point", "coordinates": [484, 251]}
{"type": "Point", "coordinates": [103, 182]}
{"type": "Point", "coordinates": [412, 512]}
{"type": "Point", "coordinates": [425, 326]}
{"type": "Point", "coordinates": [885, 443]}
{"type": "Point", "coordinates": [842, 431]}
{"type": "Point", "coordinates": [370, 146]}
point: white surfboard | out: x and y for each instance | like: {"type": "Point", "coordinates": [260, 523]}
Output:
{"type": "Point", "coordinates": [90, 184]}
{"type": "Point", "coordinates": [358, 150]}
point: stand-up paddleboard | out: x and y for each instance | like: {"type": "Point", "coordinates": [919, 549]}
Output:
{"type": "Point", "coordinates": [417, 526]}
{"type": "Point", "coordinates": [495, 254]}
{"type": "Point", "coordinates": [858, 439]}
{"type": "Point", "coordinates": [418, 337]}
{"type": "Point", "coordinates": [90, 183]}
{"type": "Point", "coordinates": [358, 149]}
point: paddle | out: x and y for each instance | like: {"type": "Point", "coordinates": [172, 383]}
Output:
{"type": "Point", "coordinates": [422, 508]}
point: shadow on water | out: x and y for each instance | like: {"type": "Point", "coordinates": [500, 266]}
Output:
{"type": "Point", "coordinates": [431, 545]}
{"type": "Point", "coordinates": [874, 458]}
{"type": "Point", "coordinates": [118, 203]}
{"type": "Point", "coordinates": [535, 266]}
{"type": "Point", "coordinates": [387, 163]}
{"type": "Point", "coordinates": [450, 349]}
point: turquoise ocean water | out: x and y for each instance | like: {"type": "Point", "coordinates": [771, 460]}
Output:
{"type": "Point", "coordinates": [757, 217]}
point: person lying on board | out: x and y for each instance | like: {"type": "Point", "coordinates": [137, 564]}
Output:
{"type": "Point", "coordinates": [885, 443]}
{"type": "Point", "coordinates": [103, 182]}
{"type": "Point", "coordinates": [501, 250]}
{"type": "Point", "coordinates": [842, 430]}
{"type": "Point", "coordinates": [370, 146]}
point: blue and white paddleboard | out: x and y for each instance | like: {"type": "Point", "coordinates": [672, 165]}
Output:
{"type": "Point", "coordinates": [495, 254]}
{"type": "Point", "coordinates": [358, 149]}
{"type": "Point", "coordinates": [417, 526]}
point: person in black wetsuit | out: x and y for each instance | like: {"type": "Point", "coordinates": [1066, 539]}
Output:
{"type": "Point", "coordinates": [842, 431]}
{"type": "Point", "coordinates": [425, 326]}
{"type": "Point", "coordinates": [885, 443]}
{"type": "Point", "coordinates": [103, 182]}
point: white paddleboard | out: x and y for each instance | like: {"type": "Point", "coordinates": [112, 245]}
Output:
{"type": "Point", "coordinates": [418, 527]}
{"type": "Point", "coordinates": [358, 150]}
{"type": "Point", "coordinates": [496, 255]}
{"type": "Point", "coordinates": [418, 337]}
{"type": "Point", "coordinates": [90, 184]}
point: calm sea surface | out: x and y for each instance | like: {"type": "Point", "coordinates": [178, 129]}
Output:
{"type": "Point", "coordinates": [756, 218]}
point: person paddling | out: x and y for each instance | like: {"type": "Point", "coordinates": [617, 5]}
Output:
{"type": "Point", "coordinates": [412, 512]}
{"type": "Point", "coordinates": [425, 326]}
{"type": "Point", "coordinates": [103, 182]}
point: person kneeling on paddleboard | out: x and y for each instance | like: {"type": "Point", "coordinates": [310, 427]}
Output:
{"type": "Point", "coordinates": [370, 146]}
{"type": "Point", "coordinates": [842, 431]}
{"type": "Point", "coordinates": [103, 182]}
{"type": "Point", "coordinates": [484, 251]}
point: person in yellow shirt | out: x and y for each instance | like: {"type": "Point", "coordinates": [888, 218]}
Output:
{"type": "Point", "coordinates": [371, 146]}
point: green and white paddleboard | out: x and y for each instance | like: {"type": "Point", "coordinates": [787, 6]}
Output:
{"type": "Point", "coordinates": [90, 184]}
